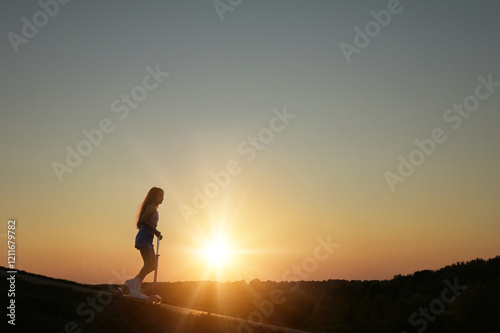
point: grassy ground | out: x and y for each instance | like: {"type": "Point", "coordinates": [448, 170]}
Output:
{"type": "Point", "coordinates": [56, 309]}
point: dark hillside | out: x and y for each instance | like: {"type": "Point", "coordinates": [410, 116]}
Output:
{"type": "Point", "coordinates": [463, 297]}
{"type": "Point", "coordinates": [395, 305]}
{"type": "Point", "coordinates": [54, 308]}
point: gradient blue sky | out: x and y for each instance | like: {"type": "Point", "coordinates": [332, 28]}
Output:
{"type": "Point", "coordinates": [322, 175]}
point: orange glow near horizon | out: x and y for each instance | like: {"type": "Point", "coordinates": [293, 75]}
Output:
{"type": "Point", "coordinates": [261, 226]}
{"type": "Point", "coordinates": [246, 244]}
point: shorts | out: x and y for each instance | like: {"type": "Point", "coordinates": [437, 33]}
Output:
{"type": "Point", "coordinates": [144, 238]}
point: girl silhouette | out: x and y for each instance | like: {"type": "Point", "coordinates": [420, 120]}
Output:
{"type": "Point", "coordinates": [147, 222]}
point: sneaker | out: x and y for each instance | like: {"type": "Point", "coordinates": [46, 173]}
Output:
{"type": "Point", "coordinates": [138, 294]}
{"type": "Point", "coordinates": [131, 283]}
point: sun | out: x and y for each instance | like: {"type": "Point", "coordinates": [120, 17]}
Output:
{"type": "Point", "coordinates": [216, 252]}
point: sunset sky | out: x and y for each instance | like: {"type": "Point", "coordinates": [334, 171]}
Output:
{"type": "Point", "coordinates": [274, 127]}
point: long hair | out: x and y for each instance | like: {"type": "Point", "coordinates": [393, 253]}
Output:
{"type": "Point", "coordinates": [150, 199]}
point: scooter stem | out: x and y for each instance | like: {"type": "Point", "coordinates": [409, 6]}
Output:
{"type": "Point", "coordinates": [157, 259]}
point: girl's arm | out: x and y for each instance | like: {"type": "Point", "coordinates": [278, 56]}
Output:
{"type": "Point", "coordinates": [144, 219]}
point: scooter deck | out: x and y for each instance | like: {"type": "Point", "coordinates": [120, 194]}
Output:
{"type": "Point", "coordinates": [152, 299]}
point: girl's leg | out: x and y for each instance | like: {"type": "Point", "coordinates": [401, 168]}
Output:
{"type": "Point", "coordinates": [148, 255]}
{"type": "Point", "coordinates": [134, 285]}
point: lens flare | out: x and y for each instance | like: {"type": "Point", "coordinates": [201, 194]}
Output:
{"type": "Point", "coordinates": [217, 252]}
